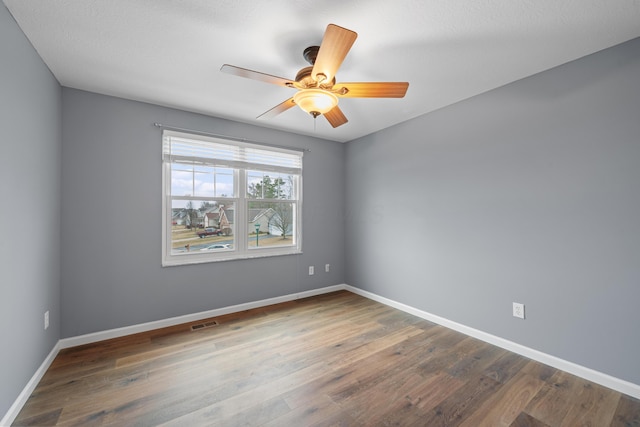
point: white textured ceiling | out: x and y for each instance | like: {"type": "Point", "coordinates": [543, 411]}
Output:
{"type": "Point", "coordinates": [169, 52]}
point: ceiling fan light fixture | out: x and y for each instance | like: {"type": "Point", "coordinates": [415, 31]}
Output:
{"type": "Point", "coordinates": [315, 101]}
{"type": "Point", "coordinates": [317, 91]}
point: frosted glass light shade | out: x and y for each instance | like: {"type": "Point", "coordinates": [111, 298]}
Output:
{"type": "Point", "coordinates": [315, 101]}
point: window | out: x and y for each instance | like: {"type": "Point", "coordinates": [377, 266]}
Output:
{"type": "Point", "coordinates": [228, 200]}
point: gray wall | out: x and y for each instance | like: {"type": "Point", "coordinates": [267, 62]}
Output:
{"type": "Point", "coordinates": [528, 193]}
{"type": "Point", "coordinates": [30, 210]}
{"type": "Point", "coordinates": [111, 220]}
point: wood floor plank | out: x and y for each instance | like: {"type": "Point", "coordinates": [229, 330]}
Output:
{"type": "Point", "coordinates": [477, 361]}
{"type": "Point", "coordinates": [367, 349]}
{"type": "Point", "coordinates": [526, 420]}
{"type": "Point", "coordinates": [395, 400]}
{"type": "Point", "coordinates": [417, 402]}
{"type": "Point", "coordinates": [43, 419]}
{"type": "Point", "coordinates": [230, 407]}
{"type": "Point", "coordinates": [320, 410]}
{"type": "Point", "coordinates": [327, 385]}
{"type": "Point", "coordinates": [505, 367]}
{"type": "Point", "coordinates": [539, 370]}
{"type": "Point", "coordinates": [334, 359]}
{"type": "Point", "coordinates": [434, 390]}
{"type": "Point", "coordinates": [568, 401]}
{"type": "Point", "coordinates": [374, 369]}
{"type": "Point", "coordinates": [390, 395]}
{"type": "Point", "coordinates": [627, 413]}
{"type": "Point", "coordinates": [258, 415]}
{"type": "Point", "coordinates": [463, 403]}
{"type": "Point", "coordinates": [504, 406]}
{"type": "Point", "coordinates": [442, 355]}
{"type": "Point", "coordinates": [593, 405]}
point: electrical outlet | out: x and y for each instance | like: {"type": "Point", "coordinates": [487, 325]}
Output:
{"type": "Point", "coordinates": [46, 320]}
{"type": "Point", "coordinates": [311, 272]}
{"type": "Point", "coordinates": [518, 310]}
{"type": "Point", "coordinates": [327, 268]}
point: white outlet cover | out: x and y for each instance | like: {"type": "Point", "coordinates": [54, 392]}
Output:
{"type": "Point", "coordinates": [311, 270]}
{"type": "Point", "coordinates": [518, 310]}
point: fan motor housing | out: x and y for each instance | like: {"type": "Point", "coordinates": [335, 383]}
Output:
{"type": "Point", "coordinates": [310, 54]}
{"type": "Point", "coordinates": [304, 79]}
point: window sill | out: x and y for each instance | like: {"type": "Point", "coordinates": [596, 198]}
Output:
{"type": "Point", "coordinates": [197, 259]}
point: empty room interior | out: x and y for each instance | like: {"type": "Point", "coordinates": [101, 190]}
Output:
{"type": "Point", "coordinates": [295, 213]}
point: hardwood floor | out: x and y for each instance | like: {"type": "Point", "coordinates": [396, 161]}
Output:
{"type": "Point", "coordinates": [332, 360]}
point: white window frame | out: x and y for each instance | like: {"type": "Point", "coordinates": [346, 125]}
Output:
{"type": "Point", "coordinates": [241, 232]}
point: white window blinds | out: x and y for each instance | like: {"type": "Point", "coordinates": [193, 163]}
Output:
{"type": "Point", "coordinates": [183, 148]}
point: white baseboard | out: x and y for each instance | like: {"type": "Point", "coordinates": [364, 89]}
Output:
{"type": "Point", "coordinates": [15, 409]}
{"type": "Point", "coordinates": [597, 377]}
{"type": "Point", "coordinates": [149, 326]}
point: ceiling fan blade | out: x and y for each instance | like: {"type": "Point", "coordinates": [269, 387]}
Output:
{"type": "Point", "coordinates": [372, 90]}
{"type": "Point", "coordinates": [336, 117]}
{"type": "Point", "coordinates": [256, 75]}
{"type": "Point", "coordinates": [280, 108]}
{"type": "Point", "coordinates": [334, 48]}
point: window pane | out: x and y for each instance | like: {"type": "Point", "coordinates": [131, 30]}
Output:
{"type": "Point", "coordinates": [201, 181]}
{"type": "Point", "coordinates": [198, 226]}
{"type": "Point", "coordinates": [271, 224]}
{"type": "Point", "coordinates": [224, 182]}
{"type": "Point", "coordinates": [270, 185]}
{"type": "Point", "coordinates": [181, 180]}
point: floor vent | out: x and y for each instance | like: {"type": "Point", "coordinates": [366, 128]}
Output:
{"type": "Point", "coordinates": [204, 325]}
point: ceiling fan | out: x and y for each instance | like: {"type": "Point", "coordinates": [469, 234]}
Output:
{"type": "Point", "coordinates": [318, 91]}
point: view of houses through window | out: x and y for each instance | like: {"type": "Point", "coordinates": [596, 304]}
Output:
{"type": "Point", "coordinates": [210, 225]}
{"type": "Point", "coordinates": [228, 200]}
